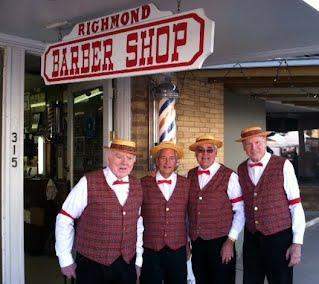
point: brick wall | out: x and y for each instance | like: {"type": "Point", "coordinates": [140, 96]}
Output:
{"type": "Point", "coordinates": [199, 110]}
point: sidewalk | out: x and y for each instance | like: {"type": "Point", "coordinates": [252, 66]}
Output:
{"type": "Point", "coordinates": [307, 272]}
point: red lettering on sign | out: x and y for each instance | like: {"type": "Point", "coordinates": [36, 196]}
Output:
{"type": "Point", "coordinates": [124, 18]}
{"type": "Point", "coordinates": [147, 46]}
{"type": "Point", "coordinates": [162, 32]}
{"type": "Point", "coordinates": [96, 49]}
{"type": "Point", "coordinates": [81, 29]}
{"type": "Point", "coordinates": [74, 60]}
{"type": "Point", "coordinates": [95, 27]}
{"type": "Point", "coordinates": [108, 47]}
{"type": "Point", "coordinates": [114, 21]}
{"type": "Point", "coordinates": [104, 24]}
{"type": "Point", "coordinates": [131, 49]}
{"type": "Point", "coordinates": [55, 54]}
{"type": "Point", "coordinates": [85, 58]}
{"type": "Point", "coordinates": [64, 67]}
{"type": "Point", "coordinates": [178, 29]}
{"type": "Point", "coordinates": [146, 11]}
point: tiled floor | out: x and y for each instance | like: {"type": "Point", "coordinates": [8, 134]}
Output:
{"type": "Point", "coordinates": [42, 269]}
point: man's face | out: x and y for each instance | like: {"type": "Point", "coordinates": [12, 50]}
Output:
{"type": "Point", "coordinates": [255, 147]}
{"type": "Point", "coordinates": [166, 162]}
{"type": "Point", "coordinates": [205, 155]}
{"type": "Point", "coordinates": [121, 163]}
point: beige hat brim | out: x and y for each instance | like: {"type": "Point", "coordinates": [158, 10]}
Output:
{"type": "Point", "coordinates": [264, 134]}
{"type": "Point", "coordinates": [214, 142]}
{"type": "Point", "coordinates": [179, 151]}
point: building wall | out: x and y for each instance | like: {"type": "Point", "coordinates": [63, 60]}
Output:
{"type": "Point", "coordinates": [199, 110]}
{"type": "Point", "coordinates": [241, 111]}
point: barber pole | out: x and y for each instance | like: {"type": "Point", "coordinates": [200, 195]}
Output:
{"type": "Point", "coordinates": [167, 124]}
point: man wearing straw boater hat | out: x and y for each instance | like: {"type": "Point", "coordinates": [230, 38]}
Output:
{"type": "Point", "coordinates": [106, 206]}
{"type": "Point", "coordinates": [275, 221]}
{"type": "Point", "coordinates": [164, 209]}
{"type": "Point", "coordinates": [216, 215]}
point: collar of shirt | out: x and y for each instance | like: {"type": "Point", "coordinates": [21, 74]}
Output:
{"type": "Point", "coordinates": [256, 172]}
{"type": "Point", "coordinates": [212, 169]}
{"type": "Point", "coordinates": [111, 178]}
{"type": "Point", "coordinates": [172, 177]}
{"type": "Point", "coordinates": [120, 190]}
{"type": "Point", "coordinates": [165, 188]}
{"type": "Point", "coordinates": [204, 179]}
{"type": "Point", "coordinates": [264, 160]}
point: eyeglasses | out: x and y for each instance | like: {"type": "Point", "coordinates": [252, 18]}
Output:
{"type": "Point", "coordinates": [208, 151]}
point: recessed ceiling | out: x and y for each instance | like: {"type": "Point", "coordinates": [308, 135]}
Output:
{"type": "Point", "coordinates": [245, 30]}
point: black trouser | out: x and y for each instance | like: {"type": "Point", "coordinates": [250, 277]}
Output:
{"type": "Point", "coordinates": [207, 262]}
{"type": "Point", "coordinates": [266, 256]}
{"type": "Point", "coordinates": [165, 265]}
{"type": "Point", "coordinates": [91, 272]}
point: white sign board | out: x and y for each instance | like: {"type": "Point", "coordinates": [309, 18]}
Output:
{"type": "Point", "coordinates": [168, 44]}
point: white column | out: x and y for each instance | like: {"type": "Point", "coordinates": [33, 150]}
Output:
{"type": "Point", "coordinates": [123, 108]}
{"type": "Point", "coordinates": [12, 166]}
{"type": "Point", "coordinates": [107, 116]}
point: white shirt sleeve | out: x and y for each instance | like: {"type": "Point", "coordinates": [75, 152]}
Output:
{"type": "Point", "coordinates": [72, 209]}
{"type": "Point", "coordinates": [139, 242]}
{"type": "Point", "coordinates": [235, 195]}
{"type": "Point", "coordinates": [296, 210]}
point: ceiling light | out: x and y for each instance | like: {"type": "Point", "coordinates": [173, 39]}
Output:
{"type": "Point", "coordinates": [40, 104]}
{"type": "Point", "coordinates": [87, 96]}
{"type": "Point", "coordinates": [313, 3]}
{"type": "Point", "coordinates": [56, 25]}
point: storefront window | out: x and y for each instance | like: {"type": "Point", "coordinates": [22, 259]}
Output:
{"type": "Point", "coordinates": [88, 131]}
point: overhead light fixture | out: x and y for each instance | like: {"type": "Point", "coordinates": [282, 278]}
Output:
{"type": "Point", "coordinates": [40, 104]}
{"type": "Point", "coordinates": [41, 164]}
{"type": "Point", "coordinates": [313, 3]}
{"type": "Point", "coordinates": [56, 25]}
{"type": "Point", "coordinates": [88, 95]}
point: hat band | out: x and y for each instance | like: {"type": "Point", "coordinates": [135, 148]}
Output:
{"type": "Point", "coordinates": [249, 133]}
{"type": "Point", "coordinates": [204, 140]}
{"type": "Point", "coordinates": [123, 148]}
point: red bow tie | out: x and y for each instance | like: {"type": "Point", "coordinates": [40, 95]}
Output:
{"type": "Point", "coordinates": [259, 164]}
{"type": "Point", "coordinates": [199, 172]}
{"type": "Point", "coordinates": [120, 182]}
{"type": "Point", "coordinates": [168, 181]}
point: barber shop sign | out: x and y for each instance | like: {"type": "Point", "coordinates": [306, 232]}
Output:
{"type": "Point", "coordinates": [135, 42]}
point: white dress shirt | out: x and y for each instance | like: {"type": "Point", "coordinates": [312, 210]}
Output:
{"type": "Point", "coordinates": [292, 191]}
{"type": "Point", "coordinates": [74, 205]}
{"type": "Point", "coordinates": [166, 189]}
{"type": "Point", "coordinates": [234, 193]}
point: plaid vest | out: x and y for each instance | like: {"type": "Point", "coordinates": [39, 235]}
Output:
{"type": "Point", "coordinates": [266, 204]}
{"type": "Point", "coordinates": [107, 230]}
{"type": "Point", "coordinates": [164, 221]}
{"type": "Point", "coordinates": [210, 210]}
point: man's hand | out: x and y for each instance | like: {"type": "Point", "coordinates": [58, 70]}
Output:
{"type": "Point", "coordinates": [138, 271]}
{"type": "Point", "coordinates": [294, 254]}
{"type": "Point", "coordinates": [227, 251]}
{"type": "Point", "coordinates": [69, 271]}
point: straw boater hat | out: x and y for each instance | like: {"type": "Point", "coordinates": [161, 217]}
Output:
{"type": "Point", "coordinates": [205, 139]}
{"type": "Point", "coordinates": [252, 132]}
{"type": "Point", "coordinates": [126, 146]}
{"type": "Point", "coordinates": [168, 145]}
